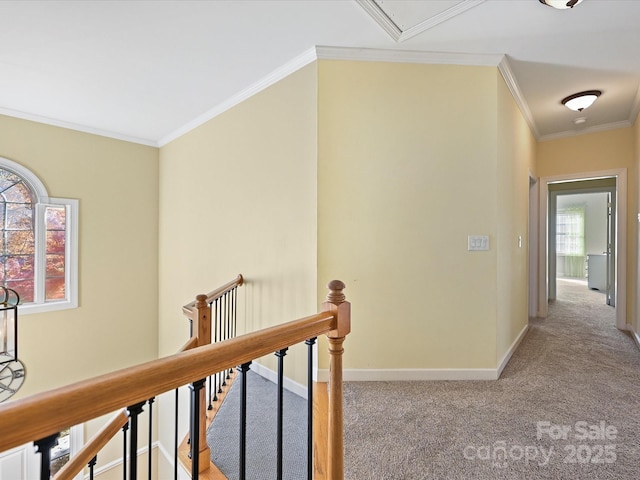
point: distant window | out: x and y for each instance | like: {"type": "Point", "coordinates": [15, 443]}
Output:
{"type": "Point", "coordinates": [570, 231]}
{"type": "Point", "coordinates": [38, 245]}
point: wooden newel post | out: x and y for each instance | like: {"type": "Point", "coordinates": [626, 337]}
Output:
{"type": "Point", "coordinates": [336, 304]}
{"type": "Point", "coordinates": [202, 329]}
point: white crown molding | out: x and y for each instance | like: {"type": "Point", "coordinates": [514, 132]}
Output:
{"type": "Point", "coordinates": [280, 73]}
{"type": "Point", "coordinates": [635, 108]}
{"type": "Point", "coordinates": [407, 56]}
{"type": "Point", "coordinates": [395, 32]}
{"type": "Point", "coordinates": [381, 18]}
{"type": "Point", "coordinates": [598, 128]}
{"type": "Point", "coordinates": [510, 79]}
{"type": "Point", "coordinates": [449, 13]}
{"type": "Point", "coordinates": [336, 53]}
{"type": "Point", "coordinates": [74, 126]}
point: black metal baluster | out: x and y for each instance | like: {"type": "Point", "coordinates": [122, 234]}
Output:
{"type": "Point", "coordinates": [225, 302]}
{"type": "Point", "coordinates": [310, 344]}
{"type": "Point", "coordinates": [220, 325]}
{"type": "Point", "coordinates": [280, 354]}
{"type": "Point", "coordinates": [233, 330]}
{"type": "Point", "coordinates": [92, 464]}
{"type": "Point", "coordinates": [44, 446]}
{"type": "Point", "coordinates": [151, 400]}
{"type": "Point", "coordinates": [229, 331]}
{"type": "Point", "coordinates": [125, 428]}
{"type": "Point", "coordinates": [235, 323]}
{"type": "Point", "coordinates": [244, 368]}
{"type": "Point", "coordinates": [195, 388]}
{"type": "Point", "coordinates": [175, 440]}
{"type": "Point", "coordinates": [134, 412]}
{"type": "Point", "coordinates": [213, 392]}
{"type": "Point", "coordinates": [215, 340]}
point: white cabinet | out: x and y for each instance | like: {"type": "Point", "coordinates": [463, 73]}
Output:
{"type": "Point", "coordinates": [597, 271]}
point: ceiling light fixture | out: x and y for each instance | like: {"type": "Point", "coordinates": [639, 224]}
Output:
{"type": "Point", "coordinates": [561, 4]}
{"type": "Point", "coordinates": [579, 101]}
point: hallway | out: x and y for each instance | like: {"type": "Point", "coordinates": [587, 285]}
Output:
{"type": "Point", "coordinates": [564, 408]}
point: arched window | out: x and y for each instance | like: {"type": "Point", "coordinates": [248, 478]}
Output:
{"type": "Point", "coordinates": [38, 244]}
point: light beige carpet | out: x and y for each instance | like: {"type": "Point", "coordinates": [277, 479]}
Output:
{"type": "Point", "coordinates": [566, 407]}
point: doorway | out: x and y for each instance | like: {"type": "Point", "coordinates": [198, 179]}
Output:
{"type": "Point", "coordinates": [551, 188]}
{"type": "Point", "coordinates": [581, 242]}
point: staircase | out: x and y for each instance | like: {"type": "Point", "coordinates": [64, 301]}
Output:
{"type": "Point", "coordinates": [132, 391]}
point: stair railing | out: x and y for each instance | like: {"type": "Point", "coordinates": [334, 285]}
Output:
{"type": "Point", "coordinates": [40, 417]}
{"type": "Point", "coordinates": [87, 456]}
{"type": "Point", "coordinates": [213, 319]}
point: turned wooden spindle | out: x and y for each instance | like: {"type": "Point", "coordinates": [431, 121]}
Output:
{"type": "Point", "coordinates": [337, 305]}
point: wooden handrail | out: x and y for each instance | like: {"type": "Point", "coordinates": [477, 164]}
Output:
{"type": "Point", "coordinates": [92, 447]}
{"type": "Point", "coordinates": [191, 343]}
{"type": "Point", "coordinates": [190, 308]}
{"type": "Point", "coordinates": [46, 413]}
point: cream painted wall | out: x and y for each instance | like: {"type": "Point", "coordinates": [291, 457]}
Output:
{"type": "Point", "coordinates": [516, 160]}
{"type": "Point", "coordinates": [238, 195]}
{"type": "Point", "coordinates": [116, 184]}
{"type": "Point", "coordinates": [607, 150]}
{"type": "Point", "coordinates": [407, 168]}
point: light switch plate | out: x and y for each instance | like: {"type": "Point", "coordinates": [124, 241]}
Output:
{"type": "Point", "coordinates": [478, 243]}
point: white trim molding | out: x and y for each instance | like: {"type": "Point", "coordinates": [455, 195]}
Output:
{"type": "Point", "coordinates": [341, 53]}
{"type": "Point", "coordinates": [76, 127]}
{"type": "Point", "coordinates": [118, 463]}
{"type": "Point", "coordinates": [394, 31]}
{"type": "Point", "coordinates": [426, 374]}
{"type": "Point", "coordinates": [407, 56]}
{"type": "Point", "coordinates": [514, 346]}
{"type": "Point", "coordinates": [275, 76]}
{"type": "Point", "coordinates": [411, 374]}
{"type": "Point", "coordinates": [290, 385]}
{"type": "Point", "coordinates": [510, 79]}
{"type": "Point", "coordinates": [605, 127]}
{"type": "Point", "coordinates": [635, 336]}
{"type": "Point", "coordinates": [621, 238]}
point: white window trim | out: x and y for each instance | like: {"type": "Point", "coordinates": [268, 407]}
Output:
{"type": "Point", "coordinates": [71, 244]}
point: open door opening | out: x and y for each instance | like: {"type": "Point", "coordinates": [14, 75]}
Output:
{"type": "Point", "coordinates": [584, 241]}
{"type": "Point", "coordinates": [598, 260]}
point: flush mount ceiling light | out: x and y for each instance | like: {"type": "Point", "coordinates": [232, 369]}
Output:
{"type": "Point", "coordinates": [561, 4]}
{"type": "Point", "coordinates": [579, 101]}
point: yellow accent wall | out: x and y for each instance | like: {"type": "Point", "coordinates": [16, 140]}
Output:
{"type": "Point", "coordinates": [516, 162]}
{"type": "Point", "coordinates": [593, 152]}
{"type": "Point", "coordinates": [411, 160]}
{"type": "Point", "coordinates": [116, 184]}
{"type": "Point", "coordinates": [238, 195]}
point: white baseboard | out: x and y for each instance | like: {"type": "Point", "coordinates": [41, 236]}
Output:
{"type": "Point", "coordinates": [635, 336]}
{"type": "Point", "coordinates": [182, 473]}
{"type": "Point", "coordinates": [411, 374]}
{"type": "Point", "coordinates": [425, 374]}
{"type": "Point", "coordinates": [292, 386]}
{"type": "Point", "coordinates": [118, 463]}
{"type": "Point", "coordinates": [512, 348]}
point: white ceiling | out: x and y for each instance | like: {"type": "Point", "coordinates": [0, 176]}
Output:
{"type": "Point", "coordinates": [147, 71]}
